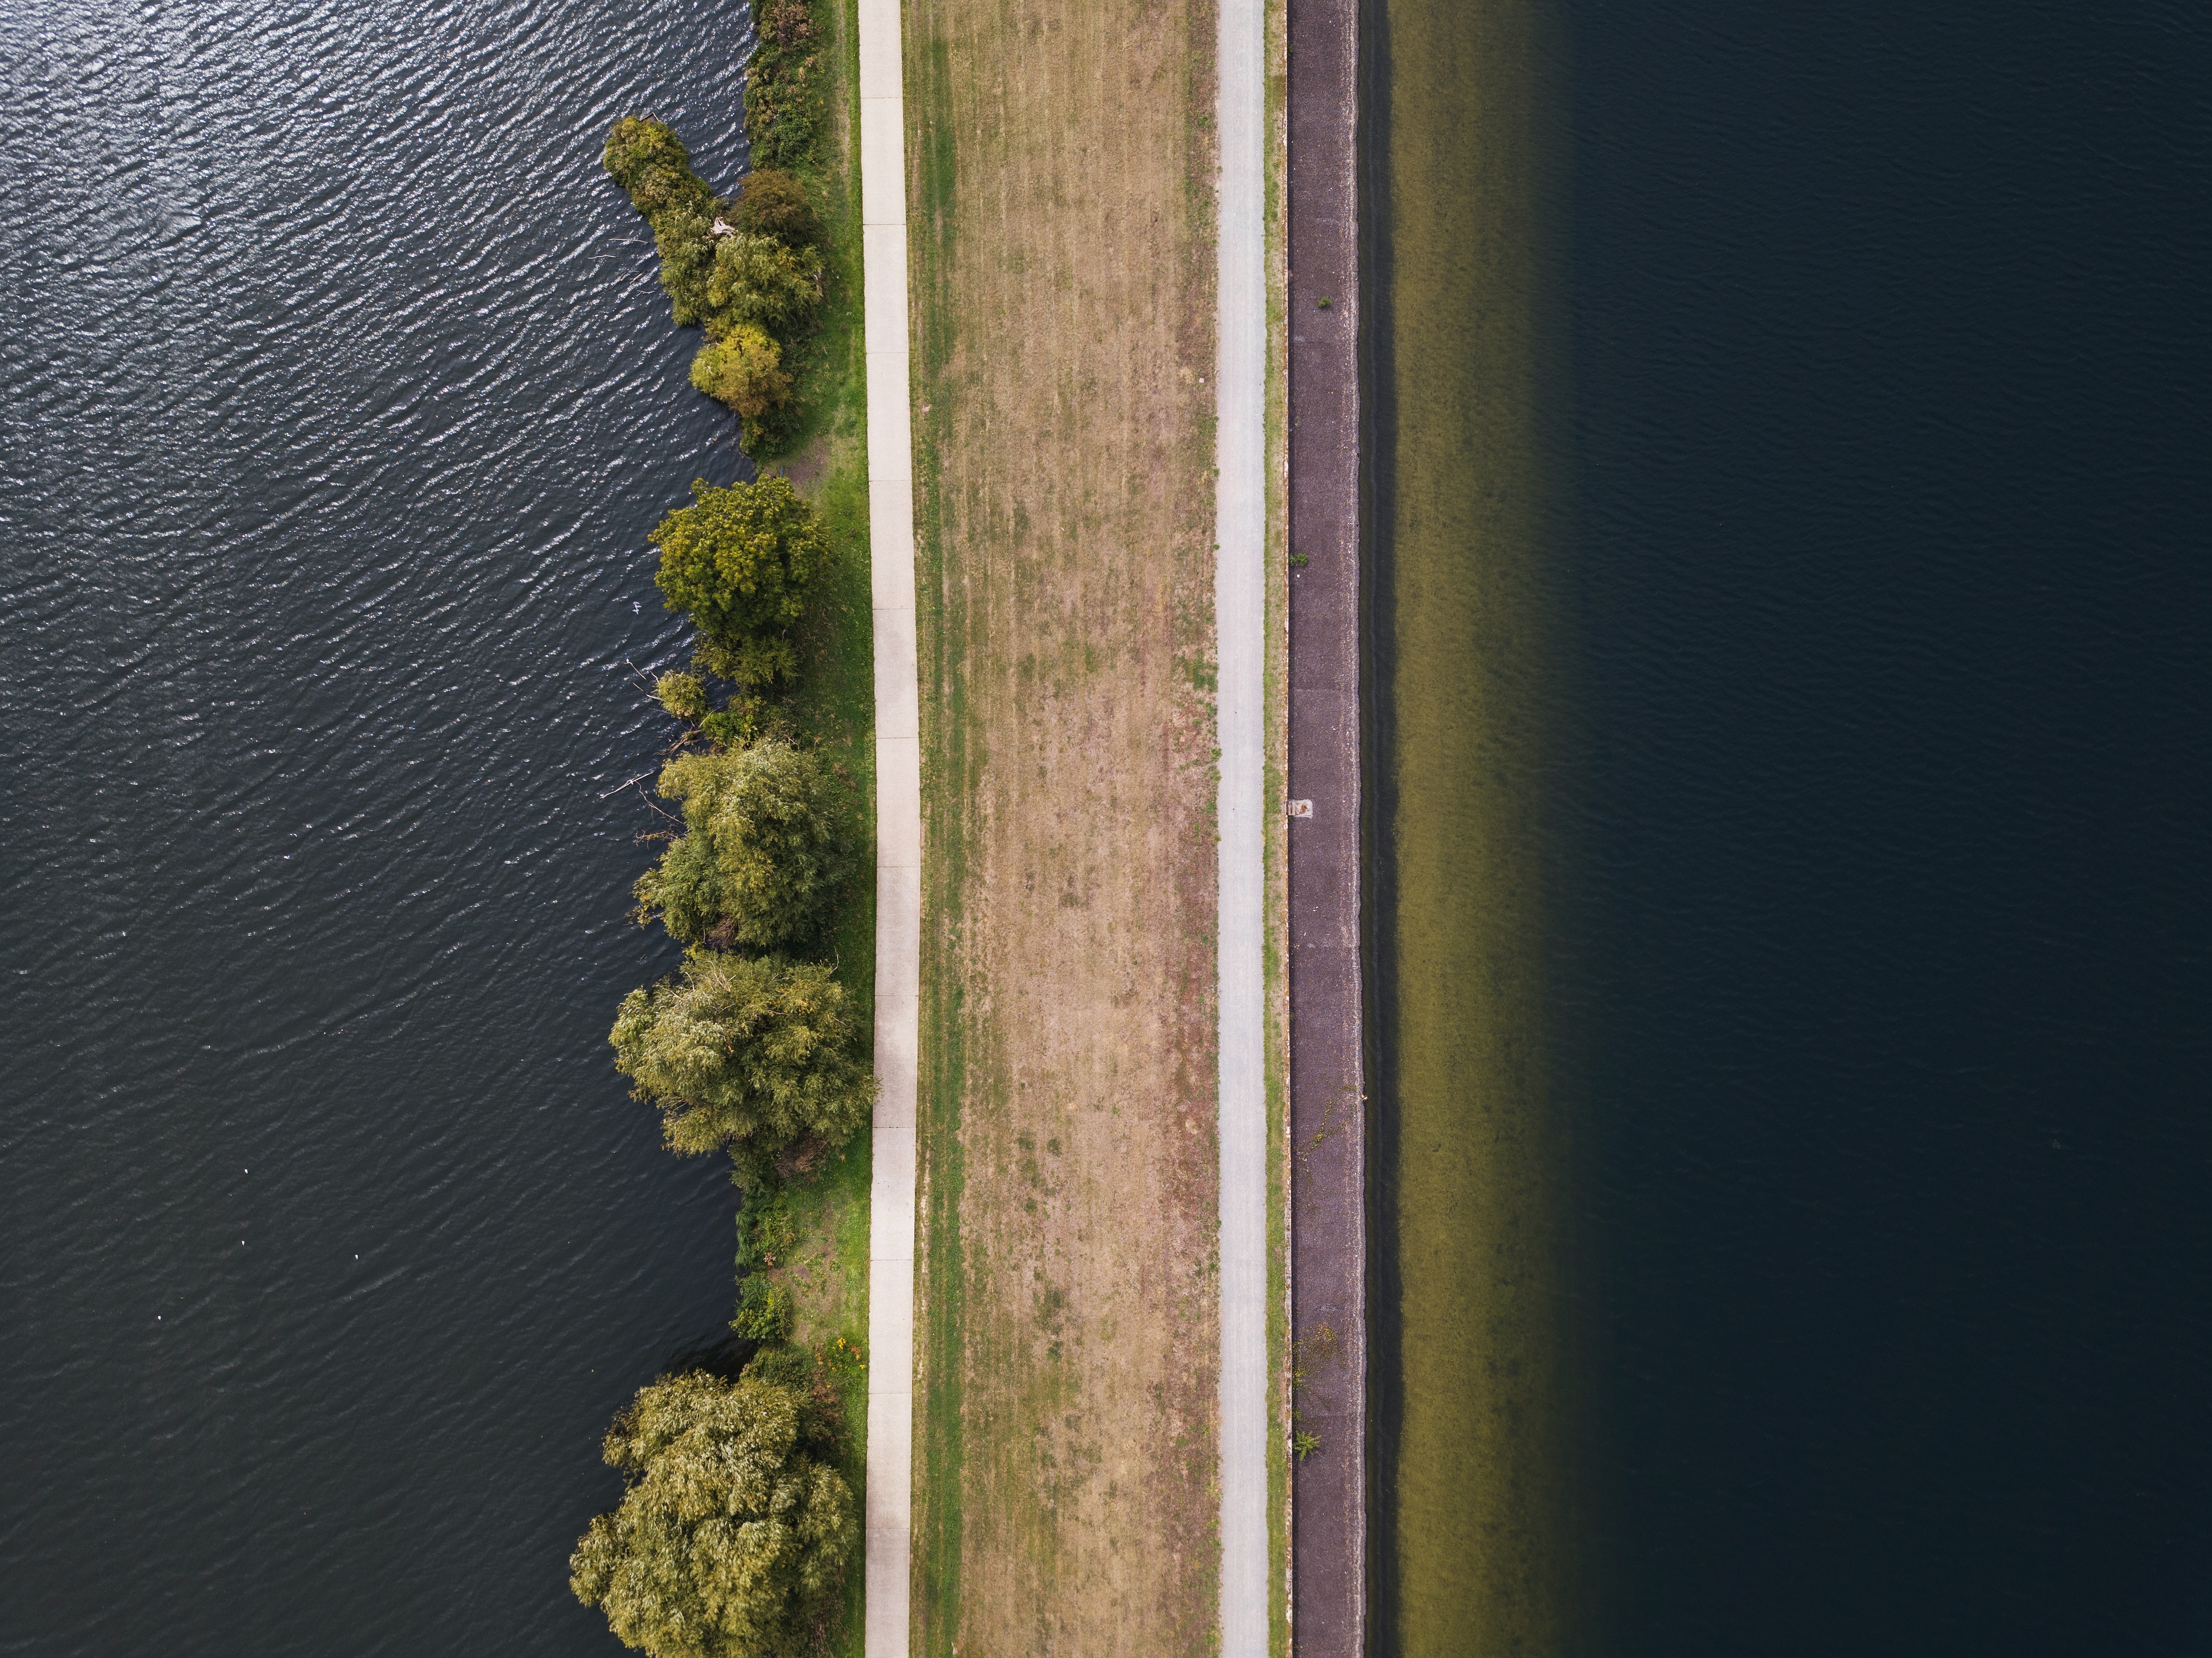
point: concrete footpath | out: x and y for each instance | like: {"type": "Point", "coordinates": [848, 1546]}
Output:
{"type": "Point", "coordinates": [1328, 1105]}
{"type": "Point", "coordinates": [888, 1503]}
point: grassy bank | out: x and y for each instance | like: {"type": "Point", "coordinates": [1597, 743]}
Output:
{"type": "Point", "coordinates": [827, 458]}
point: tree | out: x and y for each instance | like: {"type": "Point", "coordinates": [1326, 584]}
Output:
{"type": "Point", "coordinates": [683, 695]}
{"type": "Point", "coordinates": [738, 561]}
{"type": "Point", "coordinates": [758, 280]}
{"type": "Point", "coordinates": [762, 858]}
{"type": "Point", "coordinates": [743, 370]}
{"type": "Point", "coordinates": [771, 203]}
{"type": "Point", "coordinates": [649, 161]}
{"type": "Point", "coordinates": [732, 1534]}
{"type": "Point", "coordinates": [751, 1053]}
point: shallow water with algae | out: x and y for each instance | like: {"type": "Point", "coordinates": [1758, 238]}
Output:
{"type": "Point", "coordinates": [1794, 733]}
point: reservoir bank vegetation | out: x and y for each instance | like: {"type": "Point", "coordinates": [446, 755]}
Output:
{"type": "Point", "coordinates": [1477, 1542]}
{"type": "Point", "coordinates": [737, 1534]}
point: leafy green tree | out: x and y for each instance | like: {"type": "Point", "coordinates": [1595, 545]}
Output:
{"type": "Point", "coordinates": [743, 370]}
{"type": "Point", "coordinates": [764, 854]}
{"type": "Point", "coordinates": [683, 695]}
{"type": "Point", "coordinates": [650, 161]}
{"type": "Point", "coordinates": [686, 247]}
{"type": "Point", "coordinates": [751, 1053]}
{"type": "Point", "coordinates": [731, 1537]}
{"type": "Point", "coordinates": [771, 203]}
{"type": "Point", "coordinates": [738, 560]}
{"type": "Point", "coordinates": [759, 281]}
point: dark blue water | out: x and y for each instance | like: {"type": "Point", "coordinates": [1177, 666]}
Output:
{"type": "Point", "coordinates": [336, 397]}
{"type": "Point", "coordinates": [1892, 371]}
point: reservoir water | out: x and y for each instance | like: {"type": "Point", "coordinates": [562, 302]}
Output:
{"type": "Point", "coordinates": [339, 397]}
{"type": "Point", "coordinates": [1794, 730]}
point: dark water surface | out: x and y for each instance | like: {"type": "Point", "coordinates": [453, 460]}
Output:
{"type": "Point", "coordinates": [338, 399]}
{"type": "Point", "coordinates": [1894, 372]}
{"type": "Point", "coordinates": [1874, 1016]}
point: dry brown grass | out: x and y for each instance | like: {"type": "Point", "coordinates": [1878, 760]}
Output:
{"type": "Point", "coordinates": [1063, 260]}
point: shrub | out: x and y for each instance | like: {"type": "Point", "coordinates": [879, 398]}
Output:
{"type": "Point", "coordinates": [786, 1367]}
{"type": "Point", "coordinates": [763, 855]}
{"type": "Point", "coordinates": [771, 203]}
{"type": "Point", "coordinates": [783, 87]}
{"type": "Point", "coordinates": [744, 270]}
{"type": "Point", "coordinates": [766, 1235]}
{"type": "Point", "coordinates": [743, 370]}
{"type": "Point", "coordinates": [686, 246]}
{"type": "Point", "coordinates": [732, 1534]}
{"type": "Point", "coordinates": [734, 726]}
{"type": "Point", "coordinates": [758, 281]}
{"type": "Point", "coordinates": [683, 695]}
{"type": "Point", "coordinates": [751, 1053]}
{"type": "Point", "coordinates": [765, 1311]}
{"type": "Point", "coordinates": [755, 662]}
{"type": "Point", "coordinates": [649, 161]}
{"type": "Point", "coordinates": [738, 563]}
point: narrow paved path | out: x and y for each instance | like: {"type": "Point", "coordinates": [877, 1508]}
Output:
{"type": "Point", "coordinates": [898, 833]}
{"type": "Point", "coordinates": [1329, 1079]}
{"type": "Point", "coordinates": [1240, 620]}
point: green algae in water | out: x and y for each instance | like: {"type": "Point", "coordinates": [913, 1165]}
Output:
{"type": "Point", "coordinates": [1474, 1531]}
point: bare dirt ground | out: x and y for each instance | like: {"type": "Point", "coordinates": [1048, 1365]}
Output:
{"type": "Point", "coordinates": [1066, 1465]}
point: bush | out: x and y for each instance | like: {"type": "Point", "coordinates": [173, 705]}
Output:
{"type": "Point", "coordinates": [763, 855]}
{"type": "Point", "coordinates": [683, 695]}
{"type": "Point", "coordinates": [753, 1054]}
{"type": "Point", "coordinates": [737, 561]}
{"type": "Point", "coordinates": [783, 87]}
{"type": "Point", "coordinates": [759, 282]}
{"type": "Point", "coordinates": [649, 161]}
{"type": "Point", "coordinates": [786, 1367]}
{"type": "Point", "coordinates": [766, 1235]}
{"type": "Point", "coordinates": [765, 1311]}
{"type": "Point", "coordinates": [742, 370]}
{"type": "Point", "coordinates": [733, 1532]}
{"type": "Point", "coordinates": [774, 204]}
{"type": "Point", "coordinates": [743, 270]}
{"type": "Point", "coordinates": [762, 662]}
{"type": "Point", "coordinates": [734, 726]}
{"type": "Point", "coordinates": [686, 247]}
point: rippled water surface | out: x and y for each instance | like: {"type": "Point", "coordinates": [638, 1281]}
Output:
{"type": "Point", "coordinates": [338, 399]}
